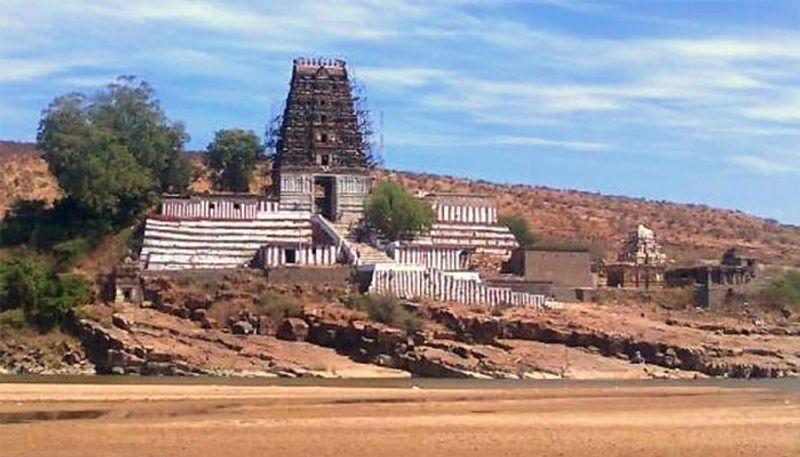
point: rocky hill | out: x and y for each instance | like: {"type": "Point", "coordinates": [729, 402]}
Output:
{"type": "Point", "coordinates": [688, 232]}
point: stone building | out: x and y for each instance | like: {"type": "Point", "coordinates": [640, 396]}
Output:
{"type": "Point", "coordinates": [127, 283]}
{"type": "Point", "coordinates": [715, 284]}
{"type": "Point", "coordinates": [564, 274]}
{"type": "Point", "coordinates": [640, 263]}
{"type": "Point", "coordinates": [321, 163]}
{"type": "Point", "coordinates": [641, 248]}
{"type": "Point", "coordinates": [570, 268]}
{"type": "Point", "coordinates": [732, 270]}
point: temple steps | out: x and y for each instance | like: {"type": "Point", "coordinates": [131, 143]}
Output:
{"type": "Point", "coordinates": [366, 253]}
{"type": "Point", "coordinates": [217, 244]}
{"type": "Point", "coordinates": [369, 255]}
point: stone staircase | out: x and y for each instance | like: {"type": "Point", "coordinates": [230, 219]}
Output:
{"type": "Point", "coordinates": [367, 254]}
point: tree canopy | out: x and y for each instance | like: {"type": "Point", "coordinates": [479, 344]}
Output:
{"type": "Point", "coordinates": [112, 152]}
{"type": "Point", "coordinates": [232, 155]}
{"type": "Point", "coordinates": [520, 229]}
{"type": "Point", "coordinates": [396, 214]}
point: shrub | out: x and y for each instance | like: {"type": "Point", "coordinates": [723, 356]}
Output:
{"type": "Point", "coordinates": [12, 318]}
{"type": "Point", "coordinates": [396, 214]}
{"type": "Point", "coordinates": [386, 309]}
{"type": "Point", "coordinates": [518, 226]}
{"type": "Point", "coordinates": [70, 251]}
{"type": "Point", "coordinates": [27, 283]}
{"type": "Point", "coordinates": [784, 290]}
{"type": "Point", "coordinates": [65, 230]}
{"type": "Point", "coordinates": [279, 306]}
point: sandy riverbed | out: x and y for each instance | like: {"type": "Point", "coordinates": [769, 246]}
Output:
{"type": "Point", "coordinates": [194, 420]}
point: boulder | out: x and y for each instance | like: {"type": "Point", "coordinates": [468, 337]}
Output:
{"type": "Point", "coordinates": [242, 328]}
{"type": "Point", "coordinates": [198, 314]}
{"type": "Point", "coordinates": [119, 321]}
{"type": "Point", "coordinates": [72, 358]}
{"type": "Point", "coordinates": [293, 329]}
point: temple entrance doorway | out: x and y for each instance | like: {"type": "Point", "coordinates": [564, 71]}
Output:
{"type": "Point", "coordinates": [324, 200]}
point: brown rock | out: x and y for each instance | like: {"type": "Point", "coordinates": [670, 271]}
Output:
{"type": "Point", "coordinates": [293, 329]}
{"type": "Point", "coordinates": [119, 321]}
{"type": "Point", "coordinates": [198, 314]}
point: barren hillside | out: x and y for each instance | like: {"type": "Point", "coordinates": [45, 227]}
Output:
{"type": "Point", "coordinates": [688, 232]}
{"type": "Point", "coordinates": [23, 174]}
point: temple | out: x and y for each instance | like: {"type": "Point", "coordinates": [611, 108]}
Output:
{"type": "Point", "coordinates": [640, 263]}
{"type": "Point", "coordinates": [321, 181]}
{"type": "Point", "coordinates": [321, 163]}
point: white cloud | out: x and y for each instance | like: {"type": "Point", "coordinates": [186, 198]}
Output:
{"type": "Point", "coordinates": [450, 140]}
{"type": "Point", "coordinates": [756, 48]}
{"type": "Point", "coordinates": [478, 70]}
{"type": "Point", "coordinates": [785, 110]}
{"type": "Point", "coordinates": [402, 77]}
{"type": "Point", "coordinates": [762, 165]}
{"type": "Point", "coordinates": [25, 69]}
{"type": "Point", "coordinates": [544, 142]}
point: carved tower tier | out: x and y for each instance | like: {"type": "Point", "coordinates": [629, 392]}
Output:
{"type": "Point", "coordinates": [321, 165]}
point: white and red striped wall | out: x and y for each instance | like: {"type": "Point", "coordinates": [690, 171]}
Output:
{"type": "Point", "coordinates": [442, 258]}
{"type": "Point", "coordinates": [465, 214]}
{"type": "Point", "coordinates": [437, 285]}
{"type": "Point", "coordinates": [217, 208]}
{"type": "Point", "coordinates": [307, 255]}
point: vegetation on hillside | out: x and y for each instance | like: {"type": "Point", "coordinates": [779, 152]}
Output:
{"type": "Point", "coordinates": [66, 231]}
{"type": "Point", "coordinates": [112, 153]}
{"type": "Point", "coordinates": [520, 229]}
{"type": "Point", "coordinates": [784, 290]}
{"type": "Point", "coordinates": [30, 288]}
{"type": "Point", "coordinates": [396, 214]}
{"type": "Point", "coordinates": [689, 232]}
{"type": "Point", "coordinates": [232, 156]}
{"type": "Point", "coordinates": [387, 310]}
{"type": "Point", "coordinates": [278, 306]}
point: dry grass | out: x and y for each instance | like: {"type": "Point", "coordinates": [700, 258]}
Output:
{"type": "Point", "coordinates": [688, 232]}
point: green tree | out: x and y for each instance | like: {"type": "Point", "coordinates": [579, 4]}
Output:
{"type": "Point", "coordinates": [520, 229]}
{"type": "Point", "coordinates": [28, 283]}
{"type": "Point", "coordinates": [112, 152]}
{"type": "Point", "coordinates": [232, 155]}
{"type": "Point", "coordinates": [396, 214]}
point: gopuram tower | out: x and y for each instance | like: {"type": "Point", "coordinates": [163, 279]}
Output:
{"type": "Point", "coordinates": [321, 164]}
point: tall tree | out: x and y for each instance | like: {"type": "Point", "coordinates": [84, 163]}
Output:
{"type": "Point", "coordinates": [113, 151]}
{"type": "Point", "coordinates": [396, 214]}
{"type": "Point", "coordinates": [232, 155]}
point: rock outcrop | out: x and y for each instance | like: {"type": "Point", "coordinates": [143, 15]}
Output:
{"type": "Point", "coordinates": [56, 353]}
{"type": "Point", "coordinates": [150, 342]}
{"type": "Point", "coordinates": [638, 340]}
{"type": "Point", "coordinates": [324, 338]}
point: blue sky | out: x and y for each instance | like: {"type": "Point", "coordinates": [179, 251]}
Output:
{"type": "Point", "coordinates": [686, 100]}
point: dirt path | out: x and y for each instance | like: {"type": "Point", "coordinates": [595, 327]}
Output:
{"type": "Point", "coordinates": [192, 420]}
